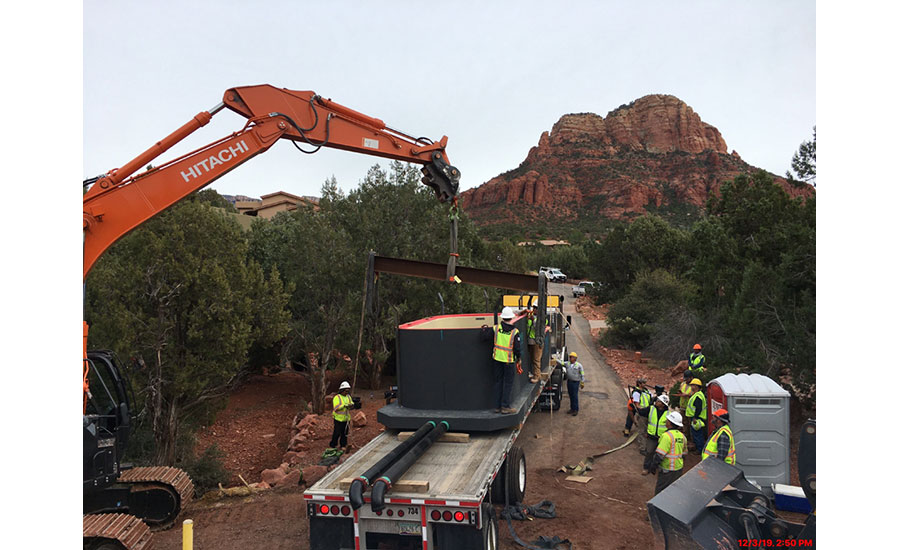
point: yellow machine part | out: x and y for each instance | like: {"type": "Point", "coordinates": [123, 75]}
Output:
{"type": "Point", "coordinates": [520, 301]}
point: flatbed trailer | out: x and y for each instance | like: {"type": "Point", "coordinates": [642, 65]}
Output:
{"type": "Point", "coordinates": [450, 506]}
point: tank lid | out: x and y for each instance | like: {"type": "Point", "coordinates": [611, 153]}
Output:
{"type": "Point", "coordinates": [750, 384]}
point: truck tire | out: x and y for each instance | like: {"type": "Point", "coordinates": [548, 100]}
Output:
{"type": "Point", "coordinates": [516, 474]}
{"type": "Point", "coordinates": [489, 527]}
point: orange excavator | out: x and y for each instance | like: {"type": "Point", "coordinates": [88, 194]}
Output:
{"type": "Point", "coordinates": [121, 503]}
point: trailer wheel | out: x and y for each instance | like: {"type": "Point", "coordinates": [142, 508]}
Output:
{"type": "Point", "coordinates": [489, 527]}
{"type": "Point", "coordinates": [516, 474]}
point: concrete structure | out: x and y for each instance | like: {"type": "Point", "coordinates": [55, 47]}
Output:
{"type": "Point", "coordinates": [759, 410]}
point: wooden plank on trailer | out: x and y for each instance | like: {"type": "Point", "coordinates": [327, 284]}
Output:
{"type": "Point", "coordinates": [449, 437]}
{"type": "Point", "coordinates": [405, 485]}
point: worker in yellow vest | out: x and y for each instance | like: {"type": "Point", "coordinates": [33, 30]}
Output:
{"type": "Point", "coordinates": [535, 343]}
{"type": "Point", "coordinates": [696, 413]}
{"type": "Point", "coordinates": [505, 355]}
{"type": "Point", "coordinates": [696, 361]}
{"type": "Point", "coordinates": [341, 413]}
{"type": "Point", "coordinates": [656, 426]}
{"type": "Point", "coordinates": [637, 410]}
{"type": "Point", "coordinates": [669, 455]}
{"type": "Point", "coordinates": [721, 444]}
{"type": "Point", "coordinates": [684, 391]}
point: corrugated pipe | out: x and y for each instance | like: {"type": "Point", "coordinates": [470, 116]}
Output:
{"type": "Point", "coordinates": [361, 483]}
{"type": "Point", "coordinates": [396, 471]}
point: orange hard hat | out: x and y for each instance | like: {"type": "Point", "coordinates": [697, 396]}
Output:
{"type": "Point", "coordinates": [697, 347]}
{"type": "Point", "coordinates": [722, 415]}
{"type": "Point", "coordinates": [720, 412]}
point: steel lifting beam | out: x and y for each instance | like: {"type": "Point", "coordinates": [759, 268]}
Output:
{"type": "Point", "coordinates": [469, 275]}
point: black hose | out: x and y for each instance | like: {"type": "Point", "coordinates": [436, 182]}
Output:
{"type": "Point", "coordinates": [396, 471]}
{"type": "Point", "coordinates": [361, 483]}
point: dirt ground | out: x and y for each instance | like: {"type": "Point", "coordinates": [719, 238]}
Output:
{"type": "Point", "coordinates": [608, 512]}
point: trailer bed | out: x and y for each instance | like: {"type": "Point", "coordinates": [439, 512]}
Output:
{"type": "Point", "coordinates": [454, 471]}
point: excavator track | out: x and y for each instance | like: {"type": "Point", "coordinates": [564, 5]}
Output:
{"type": "Point", "coordinates": [161, 478]}
{"type": "Point", "coordinates": [116, 531]}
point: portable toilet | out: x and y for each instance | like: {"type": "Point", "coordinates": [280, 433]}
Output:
{"type": "Point", "coordinates": [759, 413]}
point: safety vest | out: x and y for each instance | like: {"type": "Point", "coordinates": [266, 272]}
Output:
{"type": "Point", "coordinates": [671, 447]}
{"type": "Point", "coordinates": [338, 402]}
{"type": "Point", "coordinates": [657, 424]}
{"type": "Point", "coordinates": [698, 417]}
{"type": "Point", "coordinates": [530, 331]}
{"type": "Point", "coordinates": [645, 399]}
{"type": "Point", "coordinates": [696, 361]}
{"type": "Point", "coordinates": [503, 344]}
{"type": "Point", "coordinates": [683, 400]}
{"type": "Point", "coordinates": [712, 446]}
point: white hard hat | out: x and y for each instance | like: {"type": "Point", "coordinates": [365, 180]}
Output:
{"type": "Point", "coordinates": [345, 385]}
{"type": "Point", "coordinates": [675, 418]}
{"type": "Point", "coordinates": [507, 313]}
{"type": "Point", "coordinates": [664, 398]}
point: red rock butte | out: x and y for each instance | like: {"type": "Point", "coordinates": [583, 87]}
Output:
{"type": "Point", "coordinates": [653, 153]}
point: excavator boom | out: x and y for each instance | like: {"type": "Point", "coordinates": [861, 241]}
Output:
{"type": "Point", "coordinates": [121, 200]}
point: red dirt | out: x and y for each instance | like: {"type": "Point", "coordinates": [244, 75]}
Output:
{"type": "Point", "coordinates": [254, 429]}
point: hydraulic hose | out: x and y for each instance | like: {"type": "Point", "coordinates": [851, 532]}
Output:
{"type": "Point", "coordinates": [361, 483]}
{"type": "Point", "coordinates": [396, 471]}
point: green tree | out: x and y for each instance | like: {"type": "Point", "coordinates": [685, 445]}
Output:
{"type": "Point", "coordinates": [803, 163]}
{"type": "Point", "coordinates": [179, 296]}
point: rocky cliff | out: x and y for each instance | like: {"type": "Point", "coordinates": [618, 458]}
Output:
{"type": "Point", "coordinates": [653, 155]}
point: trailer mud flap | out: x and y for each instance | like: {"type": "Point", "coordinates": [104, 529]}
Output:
{"type": "Point", "coordinates": [331, 533]}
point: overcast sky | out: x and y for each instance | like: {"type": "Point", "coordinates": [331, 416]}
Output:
{"type": "Point", "coordinates": [489, 75]}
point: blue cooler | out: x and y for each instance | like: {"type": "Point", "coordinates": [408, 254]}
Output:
{"type": "Point", "coordinates": [791, 499]}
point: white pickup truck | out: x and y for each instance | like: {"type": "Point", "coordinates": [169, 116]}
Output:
{"type": "Point", "coordinates": [581, 288]}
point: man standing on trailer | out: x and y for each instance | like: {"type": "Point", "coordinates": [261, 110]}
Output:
{"type": "Point", "coordinates": [535, 344]}
{"type": "Point", "coordinates": [505, 354]}
{"type": "Point", "coordinates": [574, 372]}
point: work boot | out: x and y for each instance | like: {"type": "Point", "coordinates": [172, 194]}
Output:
{"type": "Point", "coordinates": [574, 413]}
{"type": "Point", "coordinates": [507, 410]}
{"type": "Point", "coordinates": [497, 410]}
{"type": "Point", "coordinates": [645, 472]}
{"type": "Point", "coordinates": [626, 433]}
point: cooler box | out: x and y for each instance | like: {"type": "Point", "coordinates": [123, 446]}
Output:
{"type": "Point", "coordinates": [791, 499]}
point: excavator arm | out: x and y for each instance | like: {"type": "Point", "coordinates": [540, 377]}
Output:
{"type": "Point", "coordinates": [121, 200]}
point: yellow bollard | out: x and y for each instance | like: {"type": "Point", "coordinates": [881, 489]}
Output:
{"type": "Point", "coordinates": [187, 535]}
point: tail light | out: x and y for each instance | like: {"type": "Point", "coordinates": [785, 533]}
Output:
{"type": "Point", "coordinates": [400, 513]}
{"type": "Point", "coordinates": [390, 512]}
{"type": "Point", "coordinates": [323, 509]}
{"type": "Point", "coordinates": [436, 515]}
{"type": "Point", "coordinates": [335, 509]}
{"type": "Point", "coordinates": [448, 515]}
{"type": "Point", "coordinates": [459, 516]}
{"type": "Point", "coordinates": [345, 510]}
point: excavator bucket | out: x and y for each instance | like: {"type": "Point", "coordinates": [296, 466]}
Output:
{"type": "Point", "coordinates": [680, 516]}
{"type": "Point", "coordinates": [713, 506]}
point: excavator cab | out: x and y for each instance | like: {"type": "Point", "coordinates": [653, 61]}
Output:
{"type": "Point", "coordinates": [107, 420]}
